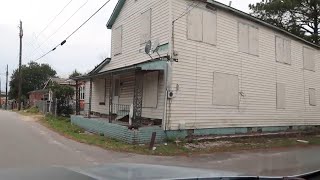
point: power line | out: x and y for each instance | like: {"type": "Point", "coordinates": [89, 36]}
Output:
{"type": "Point", "coordinates": [189, 8]}
{"type": "Point", "coordinates": [65, 40]}
{"type": "Point", "coordinates": [54, 18]}
{"type": "Point", "coordinates": [59, 28]}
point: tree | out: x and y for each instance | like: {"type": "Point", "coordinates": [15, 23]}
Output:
{"type": "Point", "coordinates": [299, 17]}
{"type": "Point", "coordinates": [64, 95]}
{"type": "Point", "coordinates": [75, 73]}
{"type": "Point", "coordinates": [34, 76]}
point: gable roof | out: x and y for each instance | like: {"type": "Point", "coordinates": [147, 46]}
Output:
{"type": "Point", "coordinates": [61, 81]}
{"type": "Point", "coordinates": [100, 66]}
{"type": "Point", "coordinates": [95, 69]}
{"type": "Point", "coordinates": [118, 7]}
{"type": "Point", "coordinates": [115, 13]}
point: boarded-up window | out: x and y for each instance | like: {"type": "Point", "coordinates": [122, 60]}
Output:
{"type": "Point", "coordinates": [202, 26]}
{"type": "Point", "coordinates": [145, 27]}
{"type": "Point", "coordinates": [281, 96]}
{"type": "Point", "coordinates": [243, 38]}
{"type": "Point", "coordinates": [308, 59]}
{"type": "Point", "coordinates": [150, 89]}
{"type": "Point", "coordinates": [225, 89]}
{"type": "Point", "coordinates": [283, 50]}
{"type": "Point", "coordinates": [248, 39]}
{"type": "Point", "coordinates": [195, 25]}
{"type": "Point", "coordinates": [312, 97]}
{"type": "Point", "coordinates": [253, 40]}
{"type": "Point", "coordinates": [117, 38]}
{"type": "Point", "coordinates": [209, 27]}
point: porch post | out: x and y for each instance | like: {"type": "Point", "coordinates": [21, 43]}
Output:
{"type": "Point", "coordinates": [137, 98]}
{"type": "Point", "coordinates": [77, 98]}
{"type": "Point", "coordinates": [90, 99]}
{"type": "Point", "coordinates": [110, 98]}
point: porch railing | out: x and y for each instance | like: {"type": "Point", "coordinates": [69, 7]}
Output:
{"type": "Point", "coordinates": [120, 110]}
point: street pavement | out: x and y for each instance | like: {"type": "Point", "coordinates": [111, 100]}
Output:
{"type": "Point", "coordinates": [26, 143]}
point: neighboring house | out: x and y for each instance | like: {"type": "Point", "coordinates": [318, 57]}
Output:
{"type": "Point", "coordinates": [61, 81]}
{"type": "Point", "coordinates": [36, 96]}
{"type": "Point", "coordinates": [224, 71]}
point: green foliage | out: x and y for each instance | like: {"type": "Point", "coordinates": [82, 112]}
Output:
{"type": "Point", "coordinates": [34, 76]}
{"type": "Point", "coordinates": [300, 17]}
{"type": "Point", "coordinates": [32, 110]}
{"type": "Point", "coordinates": [75, 73]}
{"type": "Point", "coordinates": [64, 95]}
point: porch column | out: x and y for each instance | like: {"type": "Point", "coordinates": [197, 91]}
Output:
{"type": "Point", "coordinates": [110, 98]}
{"type": "Point", "coordinates": [77, 98]}
{"type": "Point", "coordinates": [90, 98]}
{"type": "Point", "coordinates": [137, 98]}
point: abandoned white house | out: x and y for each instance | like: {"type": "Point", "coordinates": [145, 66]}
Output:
{"type": "Point", "coordinates": [218, 71]}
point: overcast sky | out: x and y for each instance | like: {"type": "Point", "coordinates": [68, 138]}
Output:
{"type": "Point", "coordinates": [83, 51]}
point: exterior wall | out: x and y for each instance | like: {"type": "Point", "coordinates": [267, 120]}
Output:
{"type": "Point", "coordinates": [34, 97]}
{"type": "Point", "coordinates": [258, 75]}
{"type": "Point", "coordinates": [129, 19]}
{"type": "Point", "coordinates": [127, 81]}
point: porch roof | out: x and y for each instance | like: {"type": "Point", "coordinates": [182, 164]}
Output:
{"type": "Point", "coordinates": [145, 66]}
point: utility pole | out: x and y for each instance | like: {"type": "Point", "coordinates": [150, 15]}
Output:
{"type": "Point", "coordinates": [7, 74]}
{"type": "Point", "coordinates": [20, 73]}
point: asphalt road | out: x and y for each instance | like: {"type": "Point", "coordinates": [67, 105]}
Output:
{"type": "Point", "coordinates": [26, 143]}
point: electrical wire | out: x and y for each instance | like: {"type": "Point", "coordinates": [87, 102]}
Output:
{"type": "Point", "coordinates": [65, 40]}
{"type": "Point", "coordinates": [59, 27]}
{"type": "Point", "coordinates": [189, 8]}
{"type": "Point", "coordinates": [54, 19]}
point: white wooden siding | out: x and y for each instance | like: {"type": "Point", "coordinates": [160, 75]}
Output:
{"type": "Point", "coordinates": [258, 76]}
{"type": "Point", "coordinates": [130, 20]}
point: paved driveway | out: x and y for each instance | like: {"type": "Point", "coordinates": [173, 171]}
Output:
{"type": "Point", "coordinates": [26, 143]}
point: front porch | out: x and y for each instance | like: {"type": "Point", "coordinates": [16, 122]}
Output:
{"type": "Point", "coordinates": [132, 97]}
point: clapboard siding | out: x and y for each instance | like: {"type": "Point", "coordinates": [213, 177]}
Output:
{"type": "Point", "coordinates": [258, 76]}
{"type": "Point", "coordinates": [129, 19]}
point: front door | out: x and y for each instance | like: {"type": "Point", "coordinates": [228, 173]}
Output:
{"type": "Point", "coordinates": [115, 93]}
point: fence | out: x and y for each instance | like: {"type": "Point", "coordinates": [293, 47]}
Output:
{"type": "Point", "coordinates": [47, 107]}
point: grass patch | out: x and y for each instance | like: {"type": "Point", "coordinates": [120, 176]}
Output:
{"type": "Point", "coordinates": [63, 126]}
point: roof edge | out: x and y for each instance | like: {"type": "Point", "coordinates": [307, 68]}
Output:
{"type": "Point", "coordinates": [259, 21]}
{"type": "Point", "coordinates": [115, 13]}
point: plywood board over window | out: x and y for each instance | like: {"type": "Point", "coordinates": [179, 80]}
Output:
{"type": "Point", "coordinates": [225, 89]}
{"type": "Point", "coordinates": [312, 97]}
{"type": "Point", "coordinates": [145, 26]}
{"type": "Point", "coordinates": [308, 59]}
{"type": "Point", "coordinates": [209, 27]}
{"type": "Point", "coordinates": [248, 39]}
{"type": "Point", "coordinates": [194, 25]}
{"type": "Point", "coordinates": [281, 96]}
{"type": "Point", "coordinates": [117, 40]}
{"type": "Point", "coordinates": [150, 89]}
{"type": "Point", "coordinates": [283, 50]}
{"type": "Point", "coordinates": [253, 40]}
